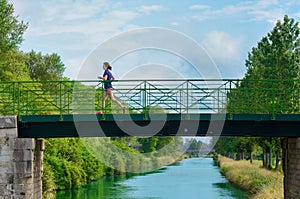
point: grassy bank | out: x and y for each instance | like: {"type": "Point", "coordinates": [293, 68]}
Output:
{"type": "Point", "coordinates": [260, 183]}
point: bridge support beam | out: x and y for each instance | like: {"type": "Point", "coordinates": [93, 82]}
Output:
{"type": "Point", "coordinates": [21, 163]}
{"type": "Point", "coordinates": [291, 167]}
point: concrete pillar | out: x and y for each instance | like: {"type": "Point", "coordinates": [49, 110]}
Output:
{"type": "Point", "coordinates": [38, 168]}
{"type": "Point", "coordinates": [291, 168]}
{"type": "Point", "coordinates": [21, 163]}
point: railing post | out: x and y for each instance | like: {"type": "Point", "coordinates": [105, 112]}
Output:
{"type": "Point", "coordinates": [230, 111]}
{"type": "Point", "coordinates": [180, 98]}
{"type": "Point", "coordinates": [60, 102]}
{"type": "Point", "coordinates": [14, 99]}
{"type": "Point", "coordinates": [103, 109]}
{"type": "Point", "coordinates": [218, 100]}
{"type": "Point", "coordinates": [19, 101]}
{"type": "Point", "coordinates": [273, 100]}
{"type": "Point", "coordinates": [187, 100]}
{"type": "Point", "coordinates": [145, 101]}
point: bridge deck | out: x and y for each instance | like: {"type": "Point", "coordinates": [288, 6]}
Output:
{"type": "Point", "coordinates": [112, 125]}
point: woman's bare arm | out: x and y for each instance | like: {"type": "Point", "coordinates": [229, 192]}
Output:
{"type": "Point", "coordinates": [104, 78]}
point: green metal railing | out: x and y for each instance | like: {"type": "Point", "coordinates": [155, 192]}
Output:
{"type": "Point", "coordinates": [143, 96]}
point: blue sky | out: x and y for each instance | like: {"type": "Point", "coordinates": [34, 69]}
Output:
{"type": "Point", "coordinates": [227, 30]}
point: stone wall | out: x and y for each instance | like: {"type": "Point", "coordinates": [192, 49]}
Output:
{"type": "Point", "coordinates": [21, 162]}
{"type": "Point", "coordinates": [291, 168]}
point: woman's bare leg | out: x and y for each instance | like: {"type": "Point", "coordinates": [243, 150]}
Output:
{"type": "Point", "coordinates": [111, 96]}
{"type": "Point", "coordinates": [104, 99]}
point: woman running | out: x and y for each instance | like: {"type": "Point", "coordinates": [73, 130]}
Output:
{"type": "Point", "coordinates": [108, 89]}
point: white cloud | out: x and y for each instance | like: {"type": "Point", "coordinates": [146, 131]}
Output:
{"type": "Point", "coordinates": [79, 11]}
{"type": "Point", "coordinates": [201, 17]}
{"type": "Point", "coordinates": [297, 14]}
{"type": "Point", "coordinates": [221, 12]}
{"type": "Point", "coordinates": [233, 9]}
{"type": "Point", "coordinates": [52, 17]}
{"type": "Point", "coordinates": [149, 9]}
{"type": "Point", "coordinates": [259, 10]}
{"type": "Point", "coordinates": [124, 15]}
{"type": "Point", "coordinates": [270, 16]}
{"type": "Point", "coordinates": [199, 7]}
{"type": "Point", "coordinates": [264, 3]}
{"type": "Point", "coordinates": [223, 48]}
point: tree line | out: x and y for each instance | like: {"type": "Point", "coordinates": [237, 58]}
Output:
{"type": "Point", "coordinates": [274, 64]}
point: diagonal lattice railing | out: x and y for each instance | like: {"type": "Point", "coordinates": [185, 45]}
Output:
{"type": "Point", "coordinates": [157, 96]}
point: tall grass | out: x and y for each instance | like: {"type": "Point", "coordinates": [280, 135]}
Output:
{"type": "Point", "coordinates": [260, 183]}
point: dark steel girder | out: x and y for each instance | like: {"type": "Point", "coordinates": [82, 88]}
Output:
{"type": "Point", "coordinates": [119, 125]}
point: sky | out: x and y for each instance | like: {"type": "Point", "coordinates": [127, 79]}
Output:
{"type": "Point", "coordinates": [82, 32]}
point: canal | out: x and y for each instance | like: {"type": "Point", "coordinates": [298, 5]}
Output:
{"type": "Point", "coordinates": [193, 178]}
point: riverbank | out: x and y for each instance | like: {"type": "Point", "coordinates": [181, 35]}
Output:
{"type": "Point", "coordinates": [260, 183]}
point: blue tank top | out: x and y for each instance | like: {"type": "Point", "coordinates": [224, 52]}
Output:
{"type": "Point", "coordinates": [109, 77]}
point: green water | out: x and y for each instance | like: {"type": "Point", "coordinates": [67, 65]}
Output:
{"type": "Point", "coordinates": [195, 178]}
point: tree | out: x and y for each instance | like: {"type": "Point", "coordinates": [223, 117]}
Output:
{"type": "Point", "coordinates": [226, 146]}
{"type": "Point", "coordinates": [272, 67]}
{"type": "Point", "coordinates": [277, 55]}
{"type": "Point", "coordinates": [194, 147]}
{"type": "Point", "coordinates": [149, 144]}
{"type": "Point", "coordinates": [12, 62]}
{"type": "Point", "coordinates": [269, 85]}
{"type": "Point", "coordinates": [13, 67]}
{"type": "Point", "coordinates": [11, 30]}
{"type": "Point", "coordinates": [45, 67]}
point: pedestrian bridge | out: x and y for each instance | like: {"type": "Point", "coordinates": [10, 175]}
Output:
{"type": "Point", "coordinates": [196, 107]}
{"type": "Point", "coordinates": [45, 109]}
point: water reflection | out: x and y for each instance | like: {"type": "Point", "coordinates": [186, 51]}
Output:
{"type": "Point", "coordinates": [227, 188]}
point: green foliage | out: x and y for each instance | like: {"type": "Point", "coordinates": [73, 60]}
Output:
{"type": "Point", "coordinates": [163, 142]}
{"type": "Point", "coordinates": [13, 67]}
{"type": "Point", "coordinates": [45, 67]}
{"type": "Point", "coordinates": [149, 144]}
{"type": "Point", "coordinates": [123, 146]}
{"type": "Point", "coordinates": [153, 110]}
{"type": "Point", "coordinates": [69, 164]}
{"type": "Point", "coordinates": [277, 55]}
{"type": "Point", "coordinates": [11, 30]}
{"type": "Point", "coordinates": [195, 144]}
{"type": "Point", "coordinates": [48, 179]}
{"type": "Point", "coordinates": [134, 162]}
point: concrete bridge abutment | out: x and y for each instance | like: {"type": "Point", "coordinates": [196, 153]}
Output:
{"type": "Point", "coordinates": [21, 163]}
